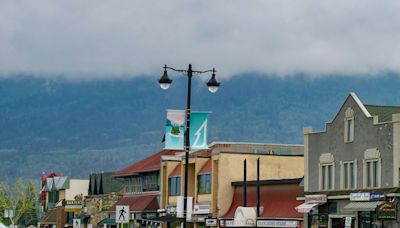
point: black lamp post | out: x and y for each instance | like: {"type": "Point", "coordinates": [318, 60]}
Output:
{"type": "Point", "coordinates": [213, 85]}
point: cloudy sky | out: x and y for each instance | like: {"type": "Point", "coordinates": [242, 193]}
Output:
{"type": "Point", "coordinates": [126, 38]}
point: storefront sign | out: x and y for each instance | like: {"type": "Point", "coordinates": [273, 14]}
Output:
{"type": "Point", "coordinates": [201, 209]}
{"type": "Point", "coordinates": [360, 196]}
{"type": "Point", "coordinates": [387, 210]}
{"type": "Point", "coordinates": [315, 199]}
{"type": "Point", "coordinates": [276, 223]}
{"type": "Point", "coordinates": [226, 223]}
{"type": "Point", "coordinates": [73, 206]}
{"type": "Point", "coordinates": [211, 222]}
{"type": "Point", "coordinates": [377, 196]}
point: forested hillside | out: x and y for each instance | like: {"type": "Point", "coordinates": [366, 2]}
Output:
{"type": "Point", "coordinates": [79, 127]}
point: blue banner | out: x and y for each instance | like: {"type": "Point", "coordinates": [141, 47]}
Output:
{"type": "Point", "coordinates": [175, 129]}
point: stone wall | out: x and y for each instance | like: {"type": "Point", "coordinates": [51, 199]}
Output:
{"type": "Point", "coordinates": [98, 205]}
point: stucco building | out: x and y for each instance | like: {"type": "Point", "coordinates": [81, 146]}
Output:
{"type": "Point", "coordinates": [352, 168]}
{"type": "Point", "coordinates": [211, 173]}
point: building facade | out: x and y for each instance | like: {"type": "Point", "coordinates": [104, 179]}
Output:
{"type": "Point", "coordinates": [211, 173]}
{"type": "Point", "coordinates": [352, 167]}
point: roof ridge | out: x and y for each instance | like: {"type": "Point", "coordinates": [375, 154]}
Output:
{"type": "Point", "coordinates": [386, 106]}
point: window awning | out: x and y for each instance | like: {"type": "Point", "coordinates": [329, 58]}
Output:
{"type": "Point", "coordinates": [305, 207]}
{"type": "Point", "coordinates": [277, 201]}
{"type": "Point", "coordinates": [145, 202]}
{"type": "Point", "coordinates": [362, 206]}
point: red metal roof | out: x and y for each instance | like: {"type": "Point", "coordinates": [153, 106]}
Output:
{"type": "Point", "coordinates": [206, 167]}
{"type": "Point", "coordinates": [151, 163]}
{"type": "Point", "coordinates": [139, 203]}
{"type": "Point", "coordinates": [279, 201]}
{"type": "Point", "coordinates": [177, 171]}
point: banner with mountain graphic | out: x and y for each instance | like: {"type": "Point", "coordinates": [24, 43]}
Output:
{"type": "Point", "coordinates": [175, 130]}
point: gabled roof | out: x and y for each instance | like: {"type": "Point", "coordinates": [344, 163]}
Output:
{"type": "Point", "coordinates": [359, 103]}
{"type": "Point", "coordinates": [151, 163]}
{"type": "Point", "coordinates": [57, 183]}
{"type": "Point", "coordinates": [384, 113]}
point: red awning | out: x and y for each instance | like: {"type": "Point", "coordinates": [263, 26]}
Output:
{"type": "Point", "coordinates": [278, 201]}
{"type": "Point", "coordinates": [206, 167]}
{"type": "Point", "coordinates": [177, 171]}
{"type": "Point", "coordinates": [139, 203]}
{"type": "Point", "coordinates": [305, 207]}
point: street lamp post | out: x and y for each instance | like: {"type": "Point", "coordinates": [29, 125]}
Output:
{"type": "Point", "coordinates": [165, 83]}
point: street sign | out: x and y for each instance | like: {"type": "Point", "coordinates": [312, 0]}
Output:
{"type": "Point", "coordinates": [122, 214]}
{"type": "Point", "coordinates": [76, 223]}
{"type": "Point", "coordinates": [211, 222]}
{"type": "Point", "coordinates": [347, 222]}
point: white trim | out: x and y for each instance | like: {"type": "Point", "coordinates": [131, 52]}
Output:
{"type": "Point", "coordinates": [358, 101]}
{"type": "Point", "coordinates": [250, 143]}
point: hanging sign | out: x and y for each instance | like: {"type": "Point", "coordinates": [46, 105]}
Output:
{"type": "Point", "coordinates": [175, 130]}
{"type": "Point", "coordinates": [387, 210]}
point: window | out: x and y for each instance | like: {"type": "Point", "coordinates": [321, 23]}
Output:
{"type": "Point", "coordinates": [204, 183]}
{"type": "Point", "coordinates": [349, 126]}
{"type": "Point", "coordinates": [150, 182]}
{"type": "Point", "coordinates": [349, 175]}
{"type": "Point", "coordinates": [175, 186]}
{"type": "Point", "coordinates": [326, 172]}
{"type": "Point", "coordinates": [53, 196]}
{"type": "Point", "coordinates": [134, 185]}
{"type": "Point", "coordinates": [372, 168]}
{"type": "Point", "coordinates": [373, 171]}
{"type": "Point", "coordinates": [327, 176]}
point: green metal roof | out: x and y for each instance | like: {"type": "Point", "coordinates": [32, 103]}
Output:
{"type": "Point", "coordinates": [103, 183]}
{"type": "Point", "coordinates": [384, 113]}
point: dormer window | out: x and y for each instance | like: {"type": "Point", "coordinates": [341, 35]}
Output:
{"type": "Point", "coordinates": [349, 126]}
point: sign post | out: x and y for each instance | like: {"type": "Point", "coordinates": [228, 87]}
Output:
{"type": "Point", "coordinates": [122, 214]}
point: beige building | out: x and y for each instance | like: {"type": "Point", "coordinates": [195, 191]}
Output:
{"type": "Point", "coordinates": [212, 172]}
{"type": "Point", "coordinates": [64, 197]}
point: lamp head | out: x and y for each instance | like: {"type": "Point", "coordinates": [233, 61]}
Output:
{"type": "Point", "coordinates": [165, 81]}
{"type": "Point", "coordinates": [213, 84]}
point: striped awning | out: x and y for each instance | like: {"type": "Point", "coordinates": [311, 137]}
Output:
{"type": "Point", "coordinates": [362, 206]}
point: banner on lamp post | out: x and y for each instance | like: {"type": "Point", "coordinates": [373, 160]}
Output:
{"type": "Point", "coordinates": [175, 130]}
{"type": "Point", "coordinates": [198, 130]}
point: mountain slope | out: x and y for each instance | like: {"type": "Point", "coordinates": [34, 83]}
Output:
{"type": "Point", "coordinates": [79, 127]}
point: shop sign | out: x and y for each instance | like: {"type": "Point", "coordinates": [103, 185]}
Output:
{"type": "Point", "coordinates": [211, 222]}
{"type": "Point", "coordinates": [201, 209]}
{"type": "Point", "coordinates": [377, 196]}
{"type": "Point", "coordinates": [73, 206]}
{"type": "Point", "coordinates": [387, 210]}
{"type": "Point", "coordinates": [315, 199]}
{"type": "Point", "coordinates": [276, 223]}
{"type": "Point", "coordinates": [360, 196]}
{"type": "Point", "coordinates": [227, 223]}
